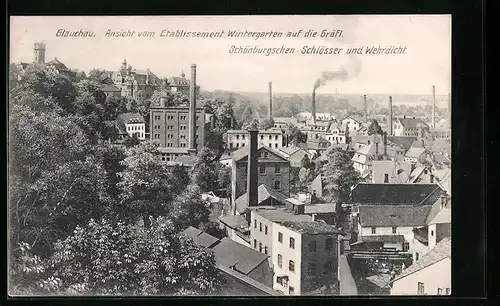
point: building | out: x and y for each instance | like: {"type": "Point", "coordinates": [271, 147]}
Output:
{"type": "Point", "coordinates": [316, 187]}
{"type": "Point", "coordinates": [179, 84]}
{"type": "Point", "coordinates": [132, 124]}
{"type": "Point", "coordinates": [430, 275]}
{"type": "Point", "coordinates": [335, 135]}
{"type": "Point", "coordinates": [54, 65]}
{"type": "Point", "coordinates": [304, 116]}
{"type": "Point", "coordinates": [284, 122]}
{"type": "Point", "coordinates": [237, 228]}
{"type": "Point", "coordinates": [315, 130]}
{"type": "Point", "coordinates": [421, 174]}
{"type": "Point", "coordinates": [413, 127]}
{"type": "Point", "coordinates": [272, 138]}
{"type": "Point", "coordinates": [415, 154]}
{"type": "Point", "coordinates": [295, 155]}
{"type": "Point", "coordinates": [130, 81]}
{"type": "Point", "coordinates": [110, 90]}
{"type": "Point", "coordinates": [406, 194]}
{"type": "Point", "coordinates": [353, 123]}
{"type": "Point", "coordinates": [392, 172]}
{"type": "Point", "coordinates": [272, 170]}
{"type": "Point", "coordinates": [373, 151]}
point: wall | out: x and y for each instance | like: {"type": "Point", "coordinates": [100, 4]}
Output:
{"type": "Point", "coordinates": [419, 248]}
{"type": "Point", "coordinates": [435, 276]}
{"type": "Point", "coordinates": [239, 140]}
{"type": "Point", "coordinates": [231, 233]}
{"type": "Point", "coordinates": [139, 128]}
{"type": "Point", "coordinates": [261, 237]}
{"type": "Point", "coordinates": [288, 254]}
{"type": "Point", "coordinates": [407, 232]}
{"type": "Point", "coordinates": [332, 138]}
{"type": "Point", "coordinates": [317, 279]}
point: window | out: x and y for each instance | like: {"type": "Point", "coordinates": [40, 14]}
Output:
{"type": "Point", "coordinates": [243, 137]}
{"type": "Point", "coordinates": [448, 291]}
{"type": "Point", "coordinates": [265, 250]}
{"type": "Point", "coordinates": [329, 244]}
{"type": "Point", "coordinates": [440, 291]}
{"type": "Point", "coordinates": [394, 230]}
{"type": "Point", "coordinates": [270, 137]}
{"type": "Point", "coordinates": [386, 178]}
{"type": "Point", "coordinates": [374, 230]}
{"type": "Point", "coordinates": [231, 145]}
{"type": "Point", "coordinates": [280, 237]}
{"type": "Point", "coordinates": [312, 246]}
{"type": "Point", "coordinates": [265, 230]}
{"type": "Point", "coordinates": [311, 269]}
{"type": "Point", "coordinates": [238, 137]}
{"type": "Point", "coordinates": [277, 169]}
{"type": "Point", "coordinates": [277, 185]}
{"type": "Point", "coordinates": [417, 256]}
{"type": "Point", "coordinates": [266, 154]}
{"type": "Point", "coordinates": [406, 246]}
{"type": "Point", "coordinates": [280, 260]}
{"type": "Point", "coordinates": [292, 243]}
{"type": "Point", "coordinates": [270, 145]}
{"type": "Point", "coordinates": [432, 233]}
{"type": "Point", "coordinates": [237, 145]}
{"type": "Point", "coordinates": [261, 137]}
{"type": "Point", "coordinates": [260, 247]}
{"type": "Point", "coordinates": [276, 137]}
{"type": "Point", "coordinates": [262, 169]}
{"type": "Point", "coordinates": [255, 223]}
{"type": "Point", "coordinates": [291, 266]}
{"type": "Point", "coordinates": [432, 179]}
{"type": "Point", "coordinates": [260, 226]}
{"type": "Point", "coordinates": [421, 289]}
{"type": "Point", "coordinates": [254, 243]}
{"type": "Point", "coordinates": [276, 145]}
{"type": "Point", "coordinates": [290, 290]}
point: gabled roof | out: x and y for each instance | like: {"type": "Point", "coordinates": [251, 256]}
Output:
{"type": "Point", "coordinates": [415, 152]}
{"type": "Point", "coordinates": [415, 174]}
{"type": "Point", "coordinates": [412, 123]}
{"type": "Point", "coordinates": [393, 215]}
{"type": "Point", "coordinates": [178, 81]}
{"type": "Point", "coordinates": [411, 194]}
{"type": "Point", "coordinates": [128, 118]}
{"type": "Point", "coordinates": [353, 117]}
{"type": "Point", "coordinates": [403, 141]}
{"type": "Point", "coordinates": [57, 64]}
{"type": "Point", "coordinates": [234, 222]}
{"type": "Point", "coordinates": [243, 152]}
{"type": "Point", "coordinates": [243, 259]}
{"type": "Point", "coordinates": [441, 251]}
{"type": "Point", "coordinates": [201, 237]}
{"type": "Point", "coordinates": [264, 192]}
{"type": "Point", "coordinates": [289, 150]}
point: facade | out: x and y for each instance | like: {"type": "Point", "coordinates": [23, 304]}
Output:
{"type": "Point", "coordinates": [132, 124]}
{"type": "Point", "coordinates": [304, 116]}
{"type": "Point", "coordinates": [272, 138]}
{"type": "Point", "coordinates": [413, 127]}
{"type": "Point", "coordinates": [273, 171]}
{"type": "Point", "coordinates": [335, 136]}
{"type": "Point", "coordinates": [169, 126]}
{"type": "Point", "coordinates": [430, 275]}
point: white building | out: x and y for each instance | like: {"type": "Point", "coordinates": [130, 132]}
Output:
{"type": "Point", "coordinates": [409, 127]}
{"type": "Point", "coordinates": [352, 123]}
{"type": "Point", "coordinates": [272, 138]}
{"type": "Point", "coordinates": [430, 275]}
{"type": "Point", "coordinates": [335, 135]}
{"type": "Point", "coordinates": [304, 116]}
{"type": "Point", "coordinates": [133, 124]}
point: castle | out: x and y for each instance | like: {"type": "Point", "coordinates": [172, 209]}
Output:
{"type": "Point", "coordinates": [39, 59]}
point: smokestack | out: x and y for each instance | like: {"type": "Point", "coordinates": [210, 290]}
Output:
{"type": "Point", "coordinates": [385, 145]}
{"type": "Point", "coordinates": [270, 100]}
{"type": "Point", "coordinates": [376, 150]}
{"type": "Point", "coordinates": [313, 110]}
{"type": "Point", "coordinates": [253, 166]}
{"type": "Point", "coordinates": [433, 114]}
{"type": "Point", "coordinates": [365, 108]}
{"type": "Point", "coordinates": [390, 116]}
{"type": "Point", "coordinates": [449, 111]}
{"type": "Point", "coordinates": [192, 110]}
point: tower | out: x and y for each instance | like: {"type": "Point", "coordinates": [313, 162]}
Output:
{"type": "Point", "coordinates": [39, 50]}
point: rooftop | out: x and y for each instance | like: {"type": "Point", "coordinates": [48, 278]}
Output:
{"type": "Point", "coordinates": [414, 194]}
{"type": "Point", "coordinates": [173, 150]}
{"type": "Point", "coordinates": [393, 215]}
{"type": "Point", "coordinates": [130, 118]}
{"type": "Point", "coordinates": [415, 152]}
{"type": "Point", "coordinates": [201, 237]}
{"type": "Point", "coordinates": [244, 259]}
{"type": "Point", "coordinates": [323, 208]}
{"type": "Point", "coordinates": [310, 227]}
{"type": "Point", "coordinates": [242, 153]}
{"type": "Point", "coordinates": [235, 222]}
{"type": "Point", "coordinates": [412, 123]}
{"type": "Point", "coordinates": [279, 215]}
{"type": "Point", "coordinates": [441, 251]}
{"type": "Point", "coordinates": [264, 192]}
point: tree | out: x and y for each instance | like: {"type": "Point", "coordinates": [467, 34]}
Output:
{"type": "Point", "coordinates": [305, 162]}
{"type": "Point", "coordinates": [295, 136]}
{"type": "Point", "coordinates": [131, 141]}
{"type": "Point", "coordinates": [247, 114]}
{"type": "Point", "coordinates": [100, 76]}
{"type": "Point", "coordinates": [339, 176]}
{"type": "Point", "coordinates": [265, 124]}
{"type": "Point", "coordinates": [188, 208]}
{"type": "Point", "coordinates": [374, 128]}
{"type": "Point", "coordinates": [205, 171]}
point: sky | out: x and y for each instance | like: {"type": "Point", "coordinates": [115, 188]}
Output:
{"type": "Point", "coordinates": [426, 63]}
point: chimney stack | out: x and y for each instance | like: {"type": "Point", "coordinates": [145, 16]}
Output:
{"type": "Point", "coordinates": [385, 145]}
{"type": "Point", "coordinates": [192, 110]}
{"type": "Point", "coordinates": [313, 109]}
{"type": "Point", "coordinates": [433, 114]}
{"type": "Point", "coordinates": [390, 116]}
{"type": "Point", "coordinates": [253, 166]}
{"type": "Point", "coordinates": [365, 108]}
{"type": "Point", "coordinates": [376, 150]}
{"type": "Point", "coordinates": [270, 100]}
{"type": "Point", "coordinates": [449, 111]}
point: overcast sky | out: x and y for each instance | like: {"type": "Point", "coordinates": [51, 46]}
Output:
{"type": "Point", "coordinates": [427, 62]}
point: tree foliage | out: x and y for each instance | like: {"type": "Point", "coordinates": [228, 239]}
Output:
{"type": "Point", "coordinates": [374, 128]}
{"type": "Point", "coordinates": [338, 176]}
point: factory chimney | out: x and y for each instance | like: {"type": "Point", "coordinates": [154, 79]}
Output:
{"type": "Point", "coordinates": [390, 116]}
{"type": "Point", "coordinates": [270, 100]}
{"type": "Point", "coordinates": [192, 111]}
{"type": "Point", "coordinates": [385, 146]}
{"type": "Point", "coordinates": [433, 114]}
{"type": "Point", "coordinates": [365, 113]}
{"type": "Point", "coordinates": [252, 178]}
{"type": "Point", "coordinates": [449, 111]}
{"type": "Point", "coordinates": [313, 109]}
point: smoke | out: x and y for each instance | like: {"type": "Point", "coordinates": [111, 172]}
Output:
{"type": "Point", "coordinates": [345, 73]}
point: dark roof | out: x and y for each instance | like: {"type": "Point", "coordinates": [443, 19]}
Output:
{"type": "Point", "coordinates": [235, 222]}
{"type": "Point", "coordinates": [441, 251]}
{"type": "Point", "coordinates": [243, 152]}
{"type": "Point", "coordinates": [402, 141]}
{"type": "Point", "coordinates": [130, 118]}
{"type": "Point", "coordinates": [57, 64]}
{"type": "Point", "coordinates": [264, 192]}
{"type": "Point", "coordinates": [109, 88]}
{"type": "Point", "coordinates": [383, 238]}
{"type": "Point", "coordinates": [412, 123]}
{"type": "Point", "coordinates": [322, 208]}
{"type": "Point", "coordinates": [310, 227]}
{"type": "Point", "coordinates": [178, 81]}
{"type": "Point", "coordinates": [201, 237]}
{"type": "Point", "coordinates": [249, 281]}
{"type": "Point", "coordinates": [393, 215]}
{"type": "Point", "coordinates": [244, 259]}
{"type": "Point", "coordinates": [411, 194]}
{"type": "Point", "coordinates": [278, 215]}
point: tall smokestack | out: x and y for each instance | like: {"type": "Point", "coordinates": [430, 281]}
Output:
{"type": "Point", "coordinates": [270, 100]}
{"type": "Point", "coordinates": [376, 148]}
{"type": "Point", "coordinates": [390, 116]}
{"type": "Point", "coordinates": [365, 114]}
{"type": "Point", "coordinates": [313, 110]}
{"type": "Point", "coordinates": [253, 165]}
{"type": "Point", "coordinates": [449, 111]}
{"type": "Point", "coordinates": [385, 145]}
{"type": "Point", "coordinates": [192, 110]}
{"type": "Point", "coordinates": [433, 114]}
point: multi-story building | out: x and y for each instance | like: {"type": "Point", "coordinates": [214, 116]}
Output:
{"type": "Point", "coordinates": [130, 81]}
{"type": "Point", "coordinates": [315, 130]}
{"type": "Point", "coordinates": [179, 84]}
{"type": "Point", "coordinates": [335, 135]}
{"type": "Point", "coordinates": [272, 138]}
{"type": "Point", "coordinates": [413, 127]}
{"type": "Point", "coordinates": [132, 124]}
{"type": "Point", "coordinates": [352, 123]}
{"type": "Point", "coordinates": [304, 116]}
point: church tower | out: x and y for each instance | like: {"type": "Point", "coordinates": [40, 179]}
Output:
{"type": "Point", "coordinates": [39, 49]}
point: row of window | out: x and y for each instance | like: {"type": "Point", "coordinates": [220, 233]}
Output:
{"type": "Point", "coordinates": [262, 169]}
{"type": "Point", "coordinates": [284, 282]}
{"type": "Point", "coordinates": [277, 185]}
{"type": "Point", "coordinates": [170, 117]}
{"type": "Point", "coordinates": [394, 230]}
{"type": "Point", "coordinates": [421, 290]}
{"type": "Point", "coordinates": [262, 249]}
{"type": "Point", "coordinates": [134, 128]}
